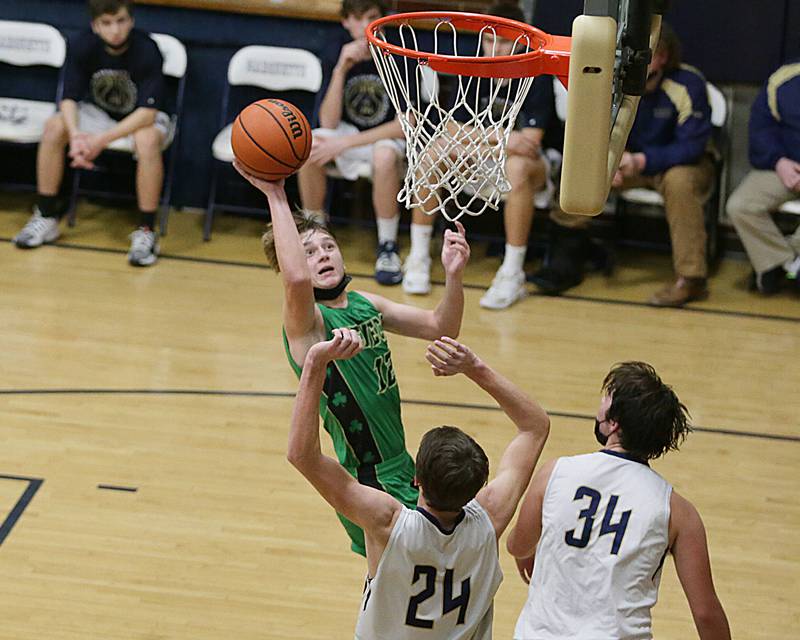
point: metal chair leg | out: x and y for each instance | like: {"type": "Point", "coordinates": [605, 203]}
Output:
{"type": "Point", "coordinates": [73, 197]}
{"type": "Point", "coordinates": [208, 220]}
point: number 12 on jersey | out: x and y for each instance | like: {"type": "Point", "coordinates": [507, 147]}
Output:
{"type": "Point", "coordinates": [618, 529]}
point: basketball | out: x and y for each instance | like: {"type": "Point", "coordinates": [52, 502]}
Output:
{"type": "Point", "coordinates": [271, 138]}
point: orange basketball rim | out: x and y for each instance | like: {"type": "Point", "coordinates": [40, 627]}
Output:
{"type": "Point", "coordinates": [545, 54]}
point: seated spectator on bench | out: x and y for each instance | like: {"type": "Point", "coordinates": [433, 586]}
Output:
{"type": "Point", "coordinates": [774, 180]}
{"type": "Point", "coordinates": [669, 149]}
{"type": "Point", "coordinates": [113, 87]}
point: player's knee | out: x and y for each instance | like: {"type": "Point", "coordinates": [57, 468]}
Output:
{"type": "Point", "coordinates": [148, 142]}
{"type": "Point", "coordinates": [736, 207]}
{"type": "Point", "coordinates": [684, 179]}
{"type": "Point", "coordinates": [384, 159]}
{"type": "Point", "coordinates": [522, 170]}
{"type": "Point", "coordinates": [55, 130]}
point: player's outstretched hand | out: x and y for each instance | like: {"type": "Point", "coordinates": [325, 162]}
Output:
{"type": "Point", "coordinates": [449, 357]}
{"type": "Point", "coordinates": [267, 187]}
{"type": "Point", "coordinates": [525, 568]}
{"type": "Point", "coordinates": [455, 250]}
{"type": "Point", "coordinates": [345, 344]}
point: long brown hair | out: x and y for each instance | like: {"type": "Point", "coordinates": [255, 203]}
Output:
{"type": "Point", "coordinates": [651, 419]}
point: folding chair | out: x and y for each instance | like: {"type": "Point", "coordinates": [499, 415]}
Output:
{"type": "Point", "coordinates": [256, 72]}
{"type": "Point", "coordinates": [645, 199]}
{"type": "Point", "coordinates": [174, 68]}
{"type": "Point", "coordinates": [28, 99]}
{"type": "Point", "coordinates": [792, 207]}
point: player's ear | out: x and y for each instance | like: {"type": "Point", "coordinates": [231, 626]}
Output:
{"type": "Point", "coordinates": [613, 426]}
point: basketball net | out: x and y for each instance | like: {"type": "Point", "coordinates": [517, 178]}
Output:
{"type": "Point", "coordinates": [456, 165]}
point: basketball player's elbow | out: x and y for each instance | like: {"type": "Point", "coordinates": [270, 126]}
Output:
{"type": "Point", "coordinates": [298, 456]}
{"type": "Point", "coordinates": [298, 452]}
{"type": "Point", "coordinates": [539, 426]}
{"type": "Point", "coordinates": [442, 325]}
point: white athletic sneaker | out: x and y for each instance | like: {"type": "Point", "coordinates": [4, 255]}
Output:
{"type": "Point", "coordinates": [144, 248]}
{"type": "Point", "coordinates": [417, 276]}
{"type": "Point", "coordinates": [37, 231]}
{"type": "Point", "coordinates": [506, 289]}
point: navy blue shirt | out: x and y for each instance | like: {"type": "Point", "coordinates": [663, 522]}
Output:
{"type": "Point", "coordinates": [775, 119]}
{"type": "Point", "coordinates": [366, 103]}
{"type": "Point", "coordinates": [673, 123]}
{"type": "Point", "coordinates": [116, 84]}
{"type": "Point", "coordinates": [537, 109]}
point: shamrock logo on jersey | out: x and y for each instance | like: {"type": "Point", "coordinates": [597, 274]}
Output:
{"type": "Point", "coordinates": [356, 426]}
{"type": "Point", "coordinates": [339, 399]}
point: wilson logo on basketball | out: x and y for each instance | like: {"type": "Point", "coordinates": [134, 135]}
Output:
{"type": "Point", "coordinates": [294, 124]}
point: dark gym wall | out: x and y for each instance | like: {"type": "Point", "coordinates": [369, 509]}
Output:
{"type": "Point", "coordinates": [731, 41]}
{"type": "Point", "coordinates": [791, 47]}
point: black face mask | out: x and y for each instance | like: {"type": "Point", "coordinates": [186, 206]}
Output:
{"type": "Point", "coordinates": [602, 439]}
{"type": "Point", "coordinates": [333, 292]}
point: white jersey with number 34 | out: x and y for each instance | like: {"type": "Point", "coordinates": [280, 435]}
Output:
{"type": "Point", "coordinates": [605, 534]}
{"type": "Point", "coordinates": [431, 583]}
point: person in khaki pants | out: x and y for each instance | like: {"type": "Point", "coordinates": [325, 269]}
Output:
{"type": "Point", "coordinates": [669, 149]}
{"type": "Point", "coordinates": [774, 180]}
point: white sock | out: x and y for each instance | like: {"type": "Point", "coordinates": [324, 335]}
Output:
{"type": "Point", "coordinates": [514, 260]}
{"type": "Point", "coordinates": [421, 241]}
{"type": "Point", "coordinates": [387, 229]}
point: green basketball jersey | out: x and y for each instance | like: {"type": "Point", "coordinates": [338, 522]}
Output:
{"type": "Point", "coordinates": [360, 404]}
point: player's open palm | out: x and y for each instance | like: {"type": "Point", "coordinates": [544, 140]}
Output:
{"type": "Point", "coordinates": [449, 357]}
{"type": "Point", "coordinates": [265, 186]}
{"type": "Point", "coordinates": [455, 251]}
{"type": "Point", "coordinates": [345, 344]}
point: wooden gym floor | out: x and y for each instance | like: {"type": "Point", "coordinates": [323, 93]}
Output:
{"type": "Point", "coordinates": [169, 385]}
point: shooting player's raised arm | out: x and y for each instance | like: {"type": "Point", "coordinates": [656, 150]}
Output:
{"type": "Point", "coordinates": [299, 310]}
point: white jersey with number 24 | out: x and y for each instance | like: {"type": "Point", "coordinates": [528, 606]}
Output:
{"type": "Point", "coordinates": [433, 584]}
